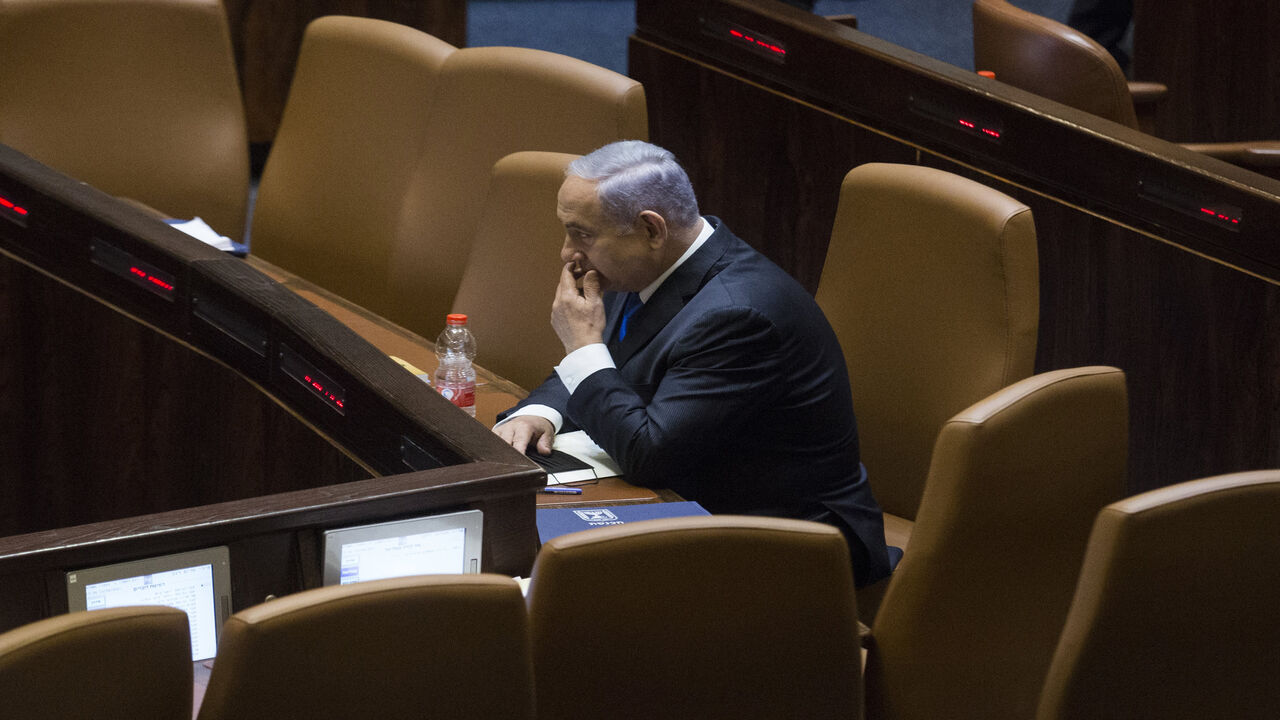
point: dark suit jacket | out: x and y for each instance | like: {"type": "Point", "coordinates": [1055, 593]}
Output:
{"type": "Point", "coordinates": [731, 389]}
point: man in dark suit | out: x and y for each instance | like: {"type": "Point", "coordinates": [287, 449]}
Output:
{"type": "Point", "coordinates": [693, 360]}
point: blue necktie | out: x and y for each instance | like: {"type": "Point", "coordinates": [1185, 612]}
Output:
{"type": "Point", "coordinates": [629, 308]}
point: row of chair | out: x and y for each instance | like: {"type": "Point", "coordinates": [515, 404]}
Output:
{"type": "Point", "coordinates": [374, 183]}
{"type": "Point", "coordinates": [722, 617]}
{"type": "Point", "coordinates": [1053, 60]}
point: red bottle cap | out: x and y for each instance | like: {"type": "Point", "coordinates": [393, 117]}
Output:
{"type": "Point", "coordinates": [455, 319]}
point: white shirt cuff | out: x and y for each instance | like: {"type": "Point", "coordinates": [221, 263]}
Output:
{"type": "Point", "coordinates": [542, 411]}
{"type": "Point", "coordinates": [577, 365]}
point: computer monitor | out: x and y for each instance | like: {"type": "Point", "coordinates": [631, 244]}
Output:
{"type": "Point", "coordinates": [429, 545]}
{"type": "Point", "coordinates": [197, 582]}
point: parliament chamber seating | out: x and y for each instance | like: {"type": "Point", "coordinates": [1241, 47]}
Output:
{"type": "Point", "coordinates": [696, 617]}
{"type": "Point", "coordinates": [453, 646]}
{"type": "Point", "coordinates": [1175, 614]}
{"type": "Point", "coordinates": [931, 284]}
{"type": "Point", "coordinates": [973, 612]}
{"type": "Point", "coordinates": [375, 185]}
{"type": "Point", "coordinates": [1043, 56]}
{"type": "Point", "coordinates": [341, 168]}
{"type": "Point", "coordinates": [136, 97]}
{"type": "Point", "coordinates": [514, 264]}
{"type": "Point", "coordinates": [488, 103]}
{"type": "Point", "coordinates": [224, 410]}
{"type": "Point", "coordinates": [127, 662]}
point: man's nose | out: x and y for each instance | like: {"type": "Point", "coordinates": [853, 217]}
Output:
{"type": "Point", "coordinates": [569, 254]}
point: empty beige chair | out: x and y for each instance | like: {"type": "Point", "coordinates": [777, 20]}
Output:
{"type": "Point", "coordinates": [333, 191]}
{"type": "Point", "coordinates": [932, 285]}
{"type": "Point", "coordinates": [450, 646]}
{"type": "Point", "coordinates": [973, 612]}
{"type": "Point", "coordinates": [491, 102]}
{"type": "Point", "coordinates": [138, 98]}
{"type": "Point", "coordinates": [696, 617]}
{"type": "Point", "coordinates": [514, 265]}
{"type": "Point", "coordinates": [1175, 616]}
{"type": "Point", "coordinates": [129, 662]}
{"type": "Point", "coordinates": [1053, 60]}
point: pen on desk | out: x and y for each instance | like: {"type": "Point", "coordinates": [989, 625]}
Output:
{"type": "Point", "coordinates": [562, 490]}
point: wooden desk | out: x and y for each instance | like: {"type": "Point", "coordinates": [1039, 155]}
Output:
{"type": "Point", "coordinates": [1135, 271]}
{"type": "Point", "coordinates": [161, 396]}
{"type": "Point", "coordinates": [493, 393]}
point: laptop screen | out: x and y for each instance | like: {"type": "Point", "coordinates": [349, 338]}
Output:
{"type": "Point", "coordinates": [430, 545]}
{"type": "Point", "coordinates": [196, 582]}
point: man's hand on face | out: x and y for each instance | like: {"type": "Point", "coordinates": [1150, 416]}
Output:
{"type": "Point", "coordinates": [577, 315]}
{"type": "Point", "coordinates": [522, 430]}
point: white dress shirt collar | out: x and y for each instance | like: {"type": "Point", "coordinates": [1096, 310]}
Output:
{"type": "Point", "coordinates": [703, 234]}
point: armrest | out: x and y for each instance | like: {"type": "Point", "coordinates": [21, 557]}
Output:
{"type": "Point", "coordinates": [1256, 154]}
{"type": "Point", "coordinates": [1146, 96]}
{"type": "Point", "coordinates": [1145, 93]}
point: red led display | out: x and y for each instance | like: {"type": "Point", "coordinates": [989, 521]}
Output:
{"type": "Point", "coordinates": [974, 126]}
{"type": "Point", "coordinates": [148, 277]}
{"type": "Point", "coordinates": [320, 388]}
{"type": "Point", "coordinates": [1220, 216]}
{"type": "Point", "coordinates": [945, 113]}
{"type": "Point", "coordinates": [133, 269]}
{"type": "Point", "coordinates": [1189, 201]}
{"type": "Point", "coordinates": [13, 211]}
{"type": "Point", "coordinates": [9, 205]}
{"type": "Point", "coordinates": [308, 376]}
{"type": "Point", "coordinates": [758, 42]}
{"type": "Point", "coordinates": [746, 38]}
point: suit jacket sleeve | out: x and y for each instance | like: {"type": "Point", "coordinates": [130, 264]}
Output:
{"type": "Point", "coordinates": [693, 404]}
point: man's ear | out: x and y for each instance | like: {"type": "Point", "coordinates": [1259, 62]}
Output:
{"type": "Point", "coordinates": [655, 228]}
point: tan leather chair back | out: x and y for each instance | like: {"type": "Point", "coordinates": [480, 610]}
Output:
{"type": "Point", "coordinates": [1175, 615]}
{"type": "Point", "coordinates": [452, 646]}
{"type": "Point", "coordinates": [333, 190]}
{"type": "Point", "coordinates": [973, 612]}
{"type": "Point", "coordinates": [932, 285]}
{"type": "Point", "coordinates": [129, 662]}
{"type": "Point", "coordinates": [1050, 59]}
{"type": "Point", "coordinates": [511, 273]}
{"type": "Point", "coordinates": [696, 617]}
{"type": "Point", "coordinates": [138, 98]}
{"type": "Point", "coordinates": [491, 102]}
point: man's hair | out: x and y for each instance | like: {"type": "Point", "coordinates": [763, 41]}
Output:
{"type": "Point", "coordinates": [633, 176]}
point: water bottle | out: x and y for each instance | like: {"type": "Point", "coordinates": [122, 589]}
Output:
{"type": "Point", "coordinates": [455, 378]}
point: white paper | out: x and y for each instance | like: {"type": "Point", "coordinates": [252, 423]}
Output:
{"type": "Point", "coordinates": [581, 446]}
{"type": "Point", "coordinates": [200, 230]}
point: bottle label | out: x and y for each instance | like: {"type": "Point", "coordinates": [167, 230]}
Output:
{"type": "Point", "coordinates": [462, 396]}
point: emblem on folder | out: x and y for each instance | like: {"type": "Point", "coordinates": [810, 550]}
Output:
{"type": "Point", "coordinates": [596, 515]}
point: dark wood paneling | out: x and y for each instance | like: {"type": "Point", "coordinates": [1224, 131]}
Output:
{"type": "Point", "coordinates": [769, 166]}
{"type": "Point", "coordinates": [1221, 62]}
{"type": "Point", "coordinates": [266, 36]}
{"type": "Point", "coordinates": [112, 419]}
{"type": "Point", "coordinates": [137, 426]}
{"type": "Point", "coordinates": [1197, 339]}
{"type": "Point", "coordinates": [1186, 307]}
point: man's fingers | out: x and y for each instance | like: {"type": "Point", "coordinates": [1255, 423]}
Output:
{"type": "Point", "coordinates": [544, 444]}
{"type": "Point", "coordinates": [567, 278]}
{"type": "Point", "coordinates": [591, 285]}
{"type": "Point", "coordinates": [516, 434]}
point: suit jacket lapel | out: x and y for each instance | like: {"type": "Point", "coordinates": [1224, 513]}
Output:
{"type": "Point", "coordinates": [671, 297]}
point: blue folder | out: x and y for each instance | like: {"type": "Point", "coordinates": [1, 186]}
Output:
{"type": "Point", "coordinates": [559, 521]}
